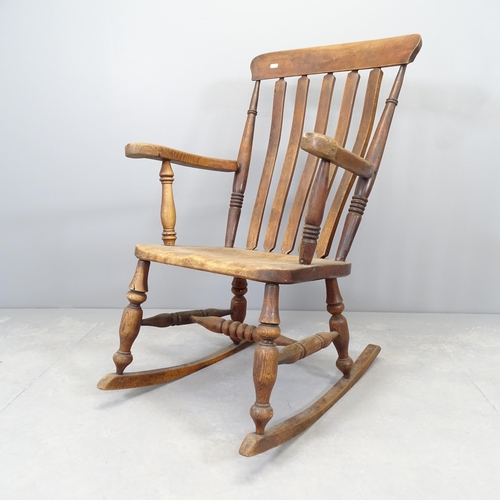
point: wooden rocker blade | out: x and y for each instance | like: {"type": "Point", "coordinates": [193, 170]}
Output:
{"type": "Point", "coordinates": [255, 444]}
{"type": "Point", "coordinates": [112, 381]}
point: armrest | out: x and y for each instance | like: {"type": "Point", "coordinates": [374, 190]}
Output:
{"type": "Point", "coordinates": [155, 152]}
{"type": "Point", "coordinates": [329, 149]}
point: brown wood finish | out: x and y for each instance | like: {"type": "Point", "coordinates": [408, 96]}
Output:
{"type": "Point", "coordinates": [113, 381]}
{"type": "Point", "coordinates": [247, 264]}
{"type": "Point", "coordinates": [182, 318]}
{"type": "Point", "coordinates": [241, 177]}
{"type": "Point", "coordinates": [236, 330]}
{"type": "Point", "coordinates": [132, 316]}
{"type": "Point", "coordinates": [238, 302]}
{"type": "Point", "coordinates": [168, 214]}
{"type": "Point", "coordinates": [254, 444]}
{"type": "Point", "coordinates": [348, 178]}
{"type": "Point", "coordinates": [306, 179]}
{"type": "Point", "coordinates": [288, 165]}
{"type": "Point", "coordinates": [338, 323]}
{"type": "Point", "coordinates": [329, 149]}
{"type": "Point", "coordinates": [374, 156]}
{"type": "Point", "coordinates": [303, 348]}
{"type": "Point", "coordinates": [327, 152]}
{"type": "Point", "coordinates": [337, 58]}
{"type": "Point", "coordinates": [347, 107]}
{"type": "Point", "coordinates": [265, 366]}
{"type": "Point", "coordinates": [162, 153]}
{"type": "Point", "coordinates": [314, 214]}
{"type": "Point", "coordinates": [270, 162]}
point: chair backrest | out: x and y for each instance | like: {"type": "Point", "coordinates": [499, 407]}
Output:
{"type": "Point", "coordinates": [354, 59]}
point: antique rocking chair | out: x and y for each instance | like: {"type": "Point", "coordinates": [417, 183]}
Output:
{"type": "Point", "coordinates": [360, 164]}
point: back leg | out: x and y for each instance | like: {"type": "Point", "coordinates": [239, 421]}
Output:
{"type": "Point", "coordinates": [132, 316]}
{"type": "Point", "coordinates": [338, 323]}
{"type": "Point", "coordinates": [239, 302]}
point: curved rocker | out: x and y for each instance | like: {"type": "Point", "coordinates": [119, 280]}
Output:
{"type": "Point", "coordinates": [146, 378]}
{"type": "Point", "coordinates": [255, 444]}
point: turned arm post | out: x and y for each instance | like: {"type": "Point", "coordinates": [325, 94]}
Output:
{"type": "Point", "coordinates": [241, 176]}
{"type": "Point", "coordinates": [374, 157]}
{"type": "Point", "coordinates": [167, 212]}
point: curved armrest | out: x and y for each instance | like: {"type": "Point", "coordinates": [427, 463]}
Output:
{"type": "Point", "coordinates": [329, 149]}
{"type": "Point", "coordinates": [155, 152]}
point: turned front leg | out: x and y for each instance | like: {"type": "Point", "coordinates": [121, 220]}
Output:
{"type": "Point", "coordinates": [265, 368]}
{"type": "Point", "coordinates": [338, 323]}
{"type": "Point", "coordinates": [132, 316]}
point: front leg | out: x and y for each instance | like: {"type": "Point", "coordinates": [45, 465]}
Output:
{"type": "Point", "coordinates": [132, 316]}
{"type": "Point", "coordinates": [265, 368]}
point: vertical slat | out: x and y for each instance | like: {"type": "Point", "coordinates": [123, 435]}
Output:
{"type": "Point", "coordinates": [288, 164]}
{"type": "Point", "coordinates": [374, 156]}
{"type": "Point", "coordinates": [346, 107]}
{"type": "Point", "coordinates": [299, 203]}
{"type": "Point", "coordinates": [347, 181]}
{"type": "Point", "coordinates": [345, 116]}
{"type": "Point", "coordinates": [369, 111]}
{"type": "Point", "coordinates": [241, 176]}
{"type": "Point", "coordinates": [269, 163]}
{"type": "Point", "coordinates": [377, 146]}
{"type": "Point", "coordinates": [321, 186]}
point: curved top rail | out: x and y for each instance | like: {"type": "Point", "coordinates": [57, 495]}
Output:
{"type": "Point", "coordinates": [334, 58]}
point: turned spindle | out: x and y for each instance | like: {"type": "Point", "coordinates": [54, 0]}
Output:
{"type": "Point", "coordinates": [239, 302]}
{"type": "Point", "coordinates": [338, 323]}
{"type": "Point", "coordinates": [132, 316]}
{"type": "Point", "coordinates": [265, 367]}
{"type": "Point", "coordinates": [314, 214]}
{"type": "Point", "coordinates": [240, 179]}
{"type": "Point", "coordinates": [181, 318]}
{"type": "Point", "coordinates": [233, 329]}
{"type": "Point", "coordinates": [303, 348]}
{"type": "Point", "coordinates": [167, 213]}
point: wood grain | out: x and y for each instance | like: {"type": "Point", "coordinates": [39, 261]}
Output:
{"type": "Point", "coordinates": [346, 183]}
{"type": "Point", "coordinates": [326, 154]}
{"type": "Point", "coordinates": [248, 264]}
{"type": "Point", "coordinates": [147, 378]}
{"type": "Point", "coordinates": [289, 163]}
{"type": "Point", "coordinates": [269, 164]}
{"type": "Point", "coordinates": [254, 444]}
{"type": "Point", "coordinates": [307, 176]}
{"type": "Point", "coordinates": [335, 58]}
{"type": "Point", "coordinates": [329, 149]}
{"type": "Point", "coordinates": [168, 215]}
{"type": "Point", "coordinates": [241, 176]}
{"type": "Point", "coordinates": [156, 152]}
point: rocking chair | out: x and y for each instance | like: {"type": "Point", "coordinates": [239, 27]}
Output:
{"type": "Point", "coordinates": [317, 191]}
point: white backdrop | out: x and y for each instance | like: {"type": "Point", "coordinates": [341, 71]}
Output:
{"type": "Point", "coordinates": [81, 79]}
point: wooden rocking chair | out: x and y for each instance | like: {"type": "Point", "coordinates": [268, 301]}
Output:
{"type": "Point", "coordinates": [313, 194]}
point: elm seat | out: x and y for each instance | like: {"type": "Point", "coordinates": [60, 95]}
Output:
{"type": "Point", "coordinates": [300, 213]}
{"type": "Point", "coordinates": [247, 264]}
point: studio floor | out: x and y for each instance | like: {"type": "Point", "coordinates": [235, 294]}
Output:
{"type": "Point", "coordinates": [423, 423]}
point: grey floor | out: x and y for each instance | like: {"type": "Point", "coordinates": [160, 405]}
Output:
{"type": "Point", "coordinates": [423, 423]}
